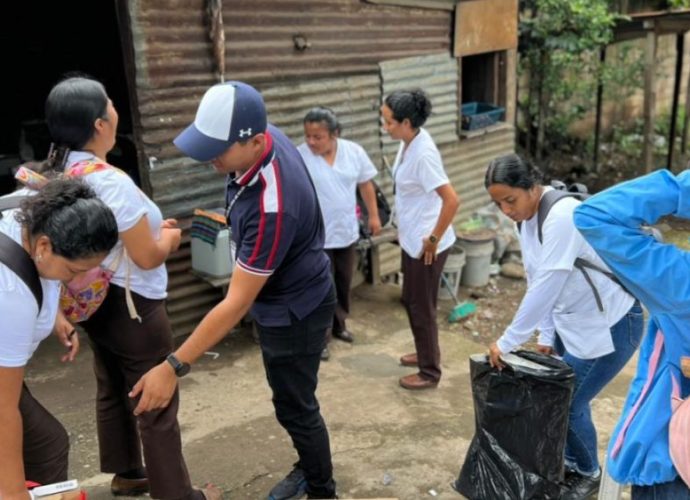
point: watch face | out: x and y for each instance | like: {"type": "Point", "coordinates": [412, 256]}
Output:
{"type": "Point", "coordinates": [183, 369]}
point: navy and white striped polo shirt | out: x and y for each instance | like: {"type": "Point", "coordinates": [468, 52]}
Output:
{"type": "Point", "coordinates": [278, 232]}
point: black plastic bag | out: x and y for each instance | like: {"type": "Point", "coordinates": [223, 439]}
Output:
{"type": "Point", "coordinates": [521, 421]}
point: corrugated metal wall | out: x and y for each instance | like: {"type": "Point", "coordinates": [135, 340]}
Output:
{"type": "Point", "coordinates": [345, 66]}
{"type": "Point", "coordinates": [342, 37]}
{"type": "Point", "coordinates": [355, 100]}
{"type": "Point", "coordinates": [466, 163]}
{"type": "Point", "coordinates": [437, 75]}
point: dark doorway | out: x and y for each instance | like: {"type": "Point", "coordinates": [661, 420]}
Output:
{"type": "Point", "coordinates": [39, 44]}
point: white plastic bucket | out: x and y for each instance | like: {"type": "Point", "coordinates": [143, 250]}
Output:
{"type": "Point", "coordinates": [478, 246]}
{"type": "Point", "coordinates": [452, 270]}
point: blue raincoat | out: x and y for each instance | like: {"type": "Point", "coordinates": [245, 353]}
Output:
{"type": "Point", "coordinates": [659, 275]}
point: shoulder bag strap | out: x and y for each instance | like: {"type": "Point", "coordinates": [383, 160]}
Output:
{"type": "Point", "coordinates": [13, 255]}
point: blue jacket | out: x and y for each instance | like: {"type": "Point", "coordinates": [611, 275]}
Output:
{"type": "Point", "coordinates": [659, 275]}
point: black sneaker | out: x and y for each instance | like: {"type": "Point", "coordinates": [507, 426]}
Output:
{"type": "Point", "coordinates": [293, 486]}
{"type": "Point", "coordinates": [579, 487]}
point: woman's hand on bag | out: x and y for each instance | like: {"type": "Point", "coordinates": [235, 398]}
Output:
{"type": "Point", "coordinates": [155, 388]}
{"type": "Point", "coordinates": [67, 336]}
{"type": "Point", "coordinates": [495, 356]}
{"type": "Point", "coordinates": [545, 349]}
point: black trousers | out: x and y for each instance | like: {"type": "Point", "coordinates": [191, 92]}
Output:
{"type": "Point", "coordinates": [123, 351]}
{"type": "Point", "coordinates": [291, 356]}
{"type": "Point", "coordinates": [342, 268]}
{"type": "Point", "coordinates": [420, 295]}
{"type": "Point", "coordinates": [45, 442]}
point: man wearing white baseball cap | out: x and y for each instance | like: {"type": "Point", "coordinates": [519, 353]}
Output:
{"type": "Point", "coordinates": [282, 275]}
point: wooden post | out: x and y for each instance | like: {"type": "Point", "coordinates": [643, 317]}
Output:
{"type": "Point", "coordinates": [597, 122]}
{"type": "Point", "coordinates": [674, 107]}
{"type": "Point", "coordinates": [649, 96]}
{"type": "Point", "coordinates": [686, 119]}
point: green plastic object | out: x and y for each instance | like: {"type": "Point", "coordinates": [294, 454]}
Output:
{"type": "Point", "coordinates": [462, 311]}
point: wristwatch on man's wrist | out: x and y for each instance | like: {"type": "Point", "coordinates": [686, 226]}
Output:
{"type": "Point", "coordinates": [181, 369]}
{"type": "Point", "coordinates": [433, 239]}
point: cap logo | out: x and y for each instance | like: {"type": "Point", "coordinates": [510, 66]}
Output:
{"type": "Point", "coordinates": [245, 132]}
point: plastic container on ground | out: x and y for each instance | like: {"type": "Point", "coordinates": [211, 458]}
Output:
{"type": "Point", "coordinates": [478, 246]}
{"type": "Point", "coordinates": [452, 270]}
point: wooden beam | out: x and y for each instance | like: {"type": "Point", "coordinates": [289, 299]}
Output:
{"type": "Point", "coordinates": [649, 101]}
{"type": "Point", "coordinates": [680, 39]}
{"type": "Point", "coordinates": [597, 120]}
{"type": "Point", "coordinates": [686, 119]}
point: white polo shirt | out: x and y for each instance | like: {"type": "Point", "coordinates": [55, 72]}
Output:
{"type": "Point", "coordinates": [336, 188]}
{"type": "Point", "coordinates": [22, 327]}
{"type": "Point", "coordinates": [417, 172]}
{"type": "Point", "coordinates": [558, 296]}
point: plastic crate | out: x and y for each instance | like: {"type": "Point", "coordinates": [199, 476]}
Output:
{"type": "Point", "coordinates": [476, 115]}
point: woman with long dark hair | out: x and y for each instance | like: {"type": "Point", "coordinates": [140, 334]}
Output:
{"type": "Point", "coordinates": [580, 312]}
{"type": "Point", "coordinates": [425, 204]}
{"type": "Point", "coordinates": [130, 332]}
{"type": "Point", "coordinates": [62, 232]}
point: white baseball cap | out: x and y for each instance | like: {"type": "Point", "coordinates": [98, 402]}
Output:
{"type": "Point", "coordinates": [229, 112]}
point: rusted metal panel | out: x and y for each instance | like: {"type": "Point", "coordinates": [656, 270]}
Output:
{"type": "Point", "coordinates": [485, 26]}
{"type": "Point", "coordinates": [354, 99]}
{"type": "Point", "coordinates": [269, 40]}
{"type": "Point", "coordinates": [466, 163]}
{"type": "Point", "coordinates": [437, 75]}
{"type": "Point", "coordinates": [342, 40]}
{"type": "Point", "coordinates": [423, 4]}
{"type": "Point", "coordinates": [189, 297]}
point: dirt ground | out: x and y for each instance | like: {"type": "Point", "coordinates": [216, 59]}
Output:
{"type": "Point", "coordinates": [386, 441]}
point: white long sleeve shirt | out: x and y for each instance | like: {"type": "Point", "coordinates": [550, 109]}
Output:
{"type": "Point", "coordinates": [558, 297]}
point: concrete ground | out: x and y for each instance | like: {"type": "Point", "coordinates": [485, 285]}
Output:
{"type": "Point", "coordinates": [386, 441]}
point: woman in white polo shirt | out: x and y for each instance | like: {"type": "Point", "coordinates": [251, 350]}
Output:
{"type": "Point", "coordinates": [425, 204]}
{"type": "Point", "coordinates": [338, 168]}
{"type": "Point", "coordinates": [59, 232]}
{"type": "Point", "coordinates": [598, 324]}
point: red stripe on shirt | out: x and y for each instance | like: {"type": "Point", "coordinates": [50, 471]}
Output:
{"type": "Point", "coordinates": [279, 215]}
{"type": "Point", "coordinates": [262, 224]}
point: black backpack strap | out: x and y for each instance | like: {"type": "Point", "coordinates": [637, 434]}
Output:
{"type": "Point", "coordinates": [583, 264]}
{"type": "Point", "coordinates": [547, 202]}
{"type": "Point", "coordinates": [13, 255]}
{"type": "Point", "coordinates": [10, 202]}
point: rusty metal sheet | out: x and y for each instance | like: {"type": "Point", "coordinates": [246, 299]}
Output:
{"type": "Point", "coordinates": [422, 4]}
{"type": "Point", "coordinates": [189, 297]}
{"type": "Point", "coordinates": [485, 26]}
{"type": "Point", "coordinates": [466, 163]}
{"type": "Point", "coordinates": [437, 75]}
{"type": "Point", "coordinates": [268, 40]}
{"type": "Point", "coordinates": [354, 99]}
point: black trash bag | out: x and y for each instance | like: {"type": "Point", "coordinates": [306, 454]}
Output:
{"type": "Point", "coordinates": [521, 422]}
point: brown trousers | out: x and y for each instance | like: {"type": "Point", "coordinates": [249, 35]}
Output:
{"type": "Point", "coordinates": [124, 350]}
{"type": "Point", "coordinates": [342, 268]}
{"type": "Point", "coordinates": [45, 442]}
{"type": "Point", "coordinates": [419, 296]}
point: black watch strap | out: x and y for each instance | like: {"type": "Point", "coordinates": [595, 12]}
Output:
{"type": "Point", "coordinates": [181, 369]}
